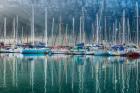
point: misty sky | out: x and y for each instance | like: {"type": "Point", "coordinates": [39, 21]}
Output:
{"type": "Point", "coordinates": [67, 9]}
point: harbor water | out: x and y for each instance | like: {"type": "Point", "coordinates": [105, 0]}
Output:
{"type": "Point", "coordinates": [68, 74]}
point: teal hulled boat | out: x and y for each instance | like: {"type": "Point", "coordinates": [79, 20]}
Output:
{"type": "Point", "coordinates": [36, 51]}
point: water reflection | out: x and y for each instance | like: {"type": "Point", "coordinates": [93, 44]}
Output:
{"type": "Point", "coordinates": [68, 74]}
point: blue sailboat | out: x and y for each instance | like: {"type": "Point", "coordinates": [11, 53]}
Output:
{"type": "Point", "coordinates": [117, 50]}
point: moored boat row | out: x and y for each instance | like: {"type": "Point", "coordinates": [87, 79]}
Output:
{"type": "Point", "coordinates": [79, 49]}
{"type": "Point", "coordinates": [94, 47]}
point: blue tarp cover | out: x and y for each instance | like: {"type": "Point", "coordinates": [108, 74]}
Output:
{"type": "Point", "coordinates": [118, 47]}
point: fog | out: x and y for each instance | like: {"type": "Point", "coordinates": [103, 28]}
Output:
{"type": "Point", "coordinates": [67, 9]}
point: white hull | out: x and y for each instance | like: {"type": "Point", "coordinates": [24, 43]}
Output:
{"type": "Point", "coordinates": [117, 53]}
{"type": "Point", "coordinates": [18, 50]}
{"type": "Point", "coordinates": [60, 51]}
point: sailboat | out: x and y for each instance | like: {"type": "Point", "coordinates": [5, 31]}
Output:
{"type": "Point", "coordinates": [79, 49]}
{"type": "Point", "coordinates": [16, 48]}
{"type": "Point", "coordinates": [34, 49]}
{"type": "Point", "coordinates": [8, 48]}
{"type": "Point", "coordinates": [133, 50]}
{"type": "Point", "coordinates": [119, 49]}
{"type": "Point", "coordinates": [61, 49]}
{"type": "Point", "coordinates": [96, 48]}
{"type": "Point", "coordinates": [4, 47]}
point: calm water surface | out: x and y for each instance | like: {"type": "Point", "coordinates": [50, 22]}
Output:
{"type": "Point", "coordinates": [68, 74]}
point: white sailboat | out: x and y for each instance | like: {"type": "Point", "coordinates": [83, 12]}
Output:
{"type": "Point", "coordinates": [97, 49]}
{"type": "Point", "coordinates": [79, 49]}
{"type": "Point", "coordinates": [4, 49]}
{"type": "Point", "coordinates": [7, 47]}
{"type": "Point", "coordinates": [16, 48]}
{"type": "Point", "coordinates": [62, 49]}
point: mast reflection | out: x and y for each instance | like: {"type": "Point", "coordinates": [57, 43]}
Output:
{"type": "Point", "coordinates": [74, 74]}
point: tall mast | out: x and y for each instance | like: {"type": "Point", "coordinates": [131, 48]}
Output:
{"type": "Point", "coordinates": [32, 26]}
{"type": "Point", "coordinates": [137, 10]}
{"type": "Point", "coordinates": [73, 25]}
{"type": "Point", "coordinates": [66, 34]}
{"type": "Point", "coordinates": [120, 38]}
{"type": "Point", "coordinates": [92, 33]}
{"type": "Point", "coordinates": [105, 21]}
{"type": "Point", "coordinates": [105, 30]}
{"type": "Point", "coordinates": [16, 29]}
{"type": "Point", "coordinates": [80, 30]}
{"type": "Point", "coordinates": [52, 31]}
{"type": "Point", "coordinates": [5, 23]}
{"type": "Point", "coordinates": [123, 41]}
{"type": "Point", "coordinates": [60, 24]}
{"type": "Point", "coordinates": [115, 29]}
{"type": "Point", "coordinates": [128, 25]}
{"type": "Point", "coordinates": [46, 34]}
{"type": "Point", "coordinates": [113, 36]}
{"type": "Point", "coordinates": [22, 35]}
{"type": "Point", "coordinates": [97, 29]}
{"type": "Point", "coordinates": [83, 24]}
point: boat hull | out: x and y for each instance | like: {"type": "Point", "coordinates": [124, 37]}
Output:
{"type": "Point", "coordinates": [100, 53]}
{"type": "Point", "coordinates": [11, 51]}
{"type": "Point", "coordinates": [133, 55]}
{"type": "Point", "coordinates": [35, 51]}
{"type": "Point", "coordinates": [78, 52]}
{"type": "Point", "coordinates": [116, 53]}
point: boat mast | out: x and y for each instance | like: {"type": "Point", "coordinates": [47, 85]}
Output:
{"type": "Point", "coordinates": [123, 41]}
{"type": "Point", "coordinates": [137, 10]}
{"type": "Point", "coordinates": [113, 36]}
{"type": "Point", "coordinates": [52, 31]}
{"type": "Point", "coordinates": [105, 31]}
{"type": "Point", "coordinates": [116, 30]}
{"type": "Point", "coordinates": [83, 25]}
{"type": "Point", "coordinates": [66, 34]}
{"type": "Point", "coordinates": [80, 30]}
{"type": "Point", "coordinates": [120, 38]}
{"type": "Point", "coordinates": [5, 30]}
{"type": "Point", "coordinates": [60, 24]}
{"type": "Point", "coordinates": [73, 25]}
{"type": "Point", "coordinates": [22, 35]}
{"type": "Point", "coordinates": [97, 29]}
{"type": "Point", "coordinates": [105, 21]}
{"type": "Point", "coordinates": [128, 25]}
{"type": "Point", "coordinates": [16, 29]}
{"type": "Point", "coordinates": [32, 26]}
{"type": "Point", "coordinates": [92, 29]}
{"type": "Point", "coordinates": [46, 34]}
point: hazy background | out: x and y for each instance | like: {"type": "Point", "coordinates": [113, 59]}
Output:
{"type": "Point", "coordinates": [67, 9]}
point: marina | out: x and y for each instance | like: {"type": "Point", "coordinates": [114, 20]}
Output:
{"type": "Point", "coordinates": [76, 46]}
{"type": "Point", "coordinates": [97, 47]}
